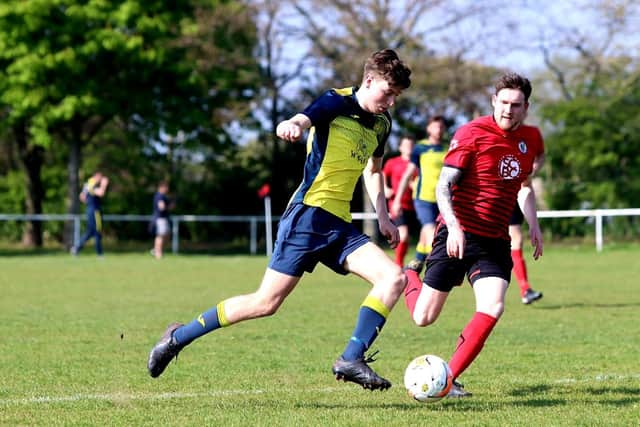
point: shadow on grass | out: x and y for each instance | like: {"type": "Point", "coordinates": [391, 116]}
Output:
{"type": "Point", "coordinates": [588, 305]}
{"type": "Point", "coordinates": [30, 252]}
{"type": "Point", "coordinates": [526, 397]}
{"type": "Point", "coordinates": [608, 395]}
{"type": "Point", "coordinates": [472, 404]}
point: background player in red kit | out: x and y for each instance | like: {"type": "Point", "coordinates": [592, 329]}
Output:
{"type": "Point", "coordinates": [488, 161]}
{"type": "Point", "coordinates": [393, 170]}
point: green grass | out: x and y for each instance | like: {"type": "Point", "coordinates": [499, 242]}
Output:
{"type": "Point", "coordinates": [76, 333]}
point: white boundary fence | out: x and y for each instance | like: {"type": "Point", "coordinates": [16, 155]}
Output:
{"type": "Point", "coordinates": [597, 214]}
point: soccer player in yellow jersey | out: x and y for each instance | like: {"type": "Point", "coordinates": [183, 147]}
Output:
{"type": "Point", "coordinates": [92, 194]}
{"type": "Point", "coordinates": [426, 159]}
{"type": "Point", "coordinates": [348, 130]}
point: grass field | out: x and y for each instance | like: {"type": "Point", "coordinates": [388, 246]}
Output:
{"type": "Point", "coordinates": [77, 332]}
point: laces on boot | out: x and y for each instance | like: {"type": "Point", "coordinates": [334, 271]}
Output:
{"type": "Point", "coordinates": [370, 357]}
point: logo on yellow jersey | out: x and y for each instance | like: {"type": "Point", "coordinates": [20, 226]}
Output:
{"type": "Point", "coordinates": [360, 152]}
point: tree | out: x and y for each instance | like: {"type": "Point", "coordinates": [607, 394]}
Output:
{"type": "Point", "coordinates": [593, 151]}
{"type": "Point", "coordinates": [71, 67]}
{"type": "Point", "coordinates": [588, 98]}
{"type": "Point", "coordinates": [444, 80]}
{"type": "Point", "coordinates": [282, 69]}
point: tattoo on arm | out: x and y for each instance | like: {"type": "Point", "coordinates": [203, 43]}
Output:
{"type": "Point", "coordinates": [448, 177]}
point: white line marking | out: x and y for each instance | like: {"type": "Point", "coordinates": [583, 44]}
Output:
{"type": "Point", "coordinates": [601, 377]}
{"type": "Point", "coordinates": [217, 393]}
{"type": "Point", "coordinates": [147, 396]}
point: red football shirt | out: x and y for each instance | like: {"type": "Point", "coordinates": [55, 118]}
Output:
{"type": "Point", "coordinates": [394, 169]}
{"type": "Point", "coordinates": [494, 164]}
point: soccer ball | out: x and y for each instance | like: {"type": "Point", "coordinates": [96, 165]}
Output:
{"type": "Point", "coordinates": [428, 378]}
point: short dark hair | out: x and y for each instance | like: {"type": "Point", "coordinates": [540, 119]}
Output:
{"type": "Point", "coordinates": [437, 119]}
{"type": "Point", "coordinates": [387, 64]}
{"type": "Point", "coordinates": [515, 81]}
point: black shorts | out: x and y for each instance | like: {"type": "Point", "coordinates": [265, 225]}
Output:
{"type": "Point", "coordinates": [516, 216]}
{"type": "Point", "coordinates": [408, 218]}
{"type": "Point", "coordinates": [483, 257]}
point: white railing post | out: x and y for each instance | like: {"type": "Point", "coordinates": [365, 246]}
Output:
{"type": "Point", "coordinates": [268, 222]}
{"type": "Point", "coordinates": [175, 235]}
{"type": "Point", "coordinates": [253, 232]}
{"type": "Point", "coordinates": [599, 238]}
{"type": "Point", "coordinates": [76, 230]}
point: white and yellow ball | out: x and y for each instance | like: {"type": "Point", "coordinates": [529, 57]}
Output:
{"type": "Point", "coordinates": [428, 378]}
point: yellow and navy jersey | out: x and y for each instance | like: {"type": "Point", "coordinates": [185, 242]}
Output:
{"type": "Point", "coordinates": [341, 140]}
{"type": "Point", "coordinates": [429, 159]}
{"type": "Point", "coordinates": [92, 200]}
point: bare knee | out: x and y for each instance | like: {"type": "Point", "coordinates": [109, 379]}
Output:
{"type": "Point", "coordinates": [428, 306]}
{"type": "Point", "coordinates": [398, 282]}
{"type": "Point", "coordinates": [390, 285]}
{"type": "Point", "coordinates": [424, 319]}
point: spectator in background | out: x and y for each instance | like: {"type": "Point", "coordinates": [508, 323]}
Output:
{"type": "Point", "coordinates": [93, 191]}
{"type": "Point", "coordinates": [161, 221]}
{"type": "Point", "coordinates": [426, 161]}
{"type": "Point", "coordinates": [393, 170]}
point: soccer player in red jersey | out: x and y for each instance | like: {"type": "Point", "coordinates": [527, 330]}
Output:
{"type": "Point", "coordinates": [488, 161]}
{"type": "Point", "coordinates": [393, 170]}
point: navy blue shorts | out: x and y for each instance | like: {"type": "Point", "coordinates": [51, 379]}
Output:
{"type": "Point", "coordinates": [308, 235]}
{"type": "Point", "coordinates": [427, 212]}
{"type": "Point", "coordinates": [483, 257]}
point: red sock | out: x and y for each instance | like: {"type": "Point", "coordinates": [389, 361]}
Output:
{"type": "Point", "coordinates": [471, 341]}
{"type": "Point", "coordinates": [520, 270]}
{"type": "Point", "coordinates": [401, 252]}
{"type": "Point", "coordinates": [412, 291]}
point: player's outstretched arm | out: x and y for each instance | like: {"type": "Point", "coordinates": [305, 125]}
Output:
{"type": "Point", "coordinates": [291, 130]}
{"type": "Point", "coordinates": [102, 188]}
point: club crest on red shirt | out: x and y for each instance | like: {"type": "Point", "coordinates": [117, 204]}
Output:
{"type": "Point", "coordinates": [522, 146]}
{"type": "Point", "coordinates": [509, 167]}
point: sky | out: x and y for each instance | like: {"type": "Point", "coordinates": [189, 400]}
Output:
{"type": "Point", "coordinates": [528, 24]}
{"type": "Point", "coordinates": [509, 35]}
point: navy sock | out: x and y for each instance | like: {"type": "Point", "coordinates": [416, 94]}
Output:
{"type": "Point", "coordinates": [203, 324]}
{"type": "Point", "coordinates": [369, 324]}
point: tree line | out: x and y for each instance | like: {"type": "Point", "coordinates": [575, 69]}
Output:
{"type": "Point", "coordinates": [191, 90]}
